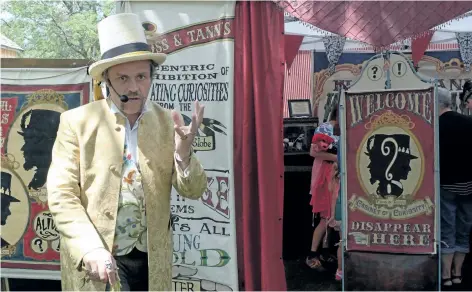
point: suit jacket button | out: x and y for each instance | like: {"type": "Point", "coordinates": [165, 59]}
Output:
{"type": "Point", "coordinates": [113, 169]}
{"type": "Point", "coordinates": [109, 214]}
{"type": "Point", "coordinates": [118, 129]}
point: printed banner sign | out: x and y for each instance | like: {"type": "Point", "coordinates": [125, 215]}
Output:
{"type": "Point", "coordinates": [390, 184]}
{"type": "Point", "coordinates": [30, 119]}
{"type": "Point", "coordinates": [199, 42]}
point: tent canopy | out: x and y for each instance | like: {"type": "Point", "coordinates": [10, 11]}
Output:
{"type": "Point", "coordinates": [313, 36]}
{"type": "Point", "coordinates": [378, 23]}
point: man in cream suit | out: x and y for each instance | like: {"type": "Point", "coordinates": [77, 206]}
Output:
{"type": "Point", "coordinates": [114, 163]}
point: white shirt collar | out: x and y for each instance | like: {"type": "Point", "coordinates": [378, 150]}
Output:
{"type": "Point", "coordinates": [115, 110]}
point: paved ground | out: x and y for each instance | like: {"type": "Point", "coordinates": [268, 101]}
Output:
{"type": "Point", "coordinates": [301, 278]}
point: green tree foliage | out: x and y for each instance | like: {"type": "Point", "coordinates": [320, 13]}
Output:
{"type": "Point", "coordinates": [55, 29]}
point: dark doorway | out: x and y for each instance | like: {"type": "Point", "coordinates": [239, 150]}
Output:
{"type": "Point", "coordinates": [298, 218]}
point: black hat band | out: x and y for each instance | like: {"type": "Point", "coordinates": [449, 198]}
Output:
{"type": "Point", "coordinates": [125, 49]}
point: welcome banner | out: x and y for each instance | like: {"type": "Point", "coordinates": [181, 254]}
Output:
{"type": "Point", "coordinates": [390, 177]}
{"type": "Point", "coordinates": [198, 39]}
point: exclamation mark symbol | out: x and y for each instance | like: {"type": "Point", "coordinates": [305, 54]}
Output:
{"type": "Point", "coordinates": [399, 69]}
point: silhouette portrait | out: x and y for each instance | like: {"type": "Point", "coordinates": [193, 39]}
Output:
{"type": "Point", "coordinates": [7, 199]}
{"type": "Point", "coordinates": [390, 157]}
{"type": "Point", "coordinates": [39, 130]}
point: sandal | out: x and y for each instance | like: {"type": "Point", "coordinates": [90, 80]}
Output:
{"type": "Point", "coordinates": [339, 275]}
{"type": "Point", "coordinates": [446, 284]}
{"type": "Point", "coordinates": [456, 280]}
{"type": "Point", "coordinates": [313, 263]}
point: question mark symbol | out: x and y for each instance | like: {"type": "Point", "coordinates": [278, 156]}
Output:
{"type": "Point", "coordinates": [56, 245]}
{"type": "Point", "coordinates": [39, 242]}
{"type": "Point", "coordinates": [374, 69]}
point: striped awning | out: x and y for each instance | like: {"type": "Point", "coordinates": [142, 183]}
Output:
{"type": "Point", "coordinates": [431, 47]}
{"type": "Point", "coordinates": [298, 79]}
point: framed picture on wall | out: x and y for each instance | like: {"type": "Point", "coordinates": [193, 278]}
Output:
{"type": "Point", "coordinates": [299, 108]}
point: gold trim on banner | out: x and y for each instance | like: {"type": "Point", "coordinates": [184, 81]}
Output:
{"type": "Point", "coordinates": [8, 250]}
{"type": "Point", "coordinates": [389, 118]}
{"type": "Point", "coordinates": [8, 162]}
{"type": "Point", "coordinates": [45, 96]}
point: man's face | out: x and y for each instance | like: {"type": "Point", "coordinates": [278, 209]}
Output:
{"type": "Point", "coordinates": [5, 212]}
{"type": "Point", "coordinates": [134, 80]}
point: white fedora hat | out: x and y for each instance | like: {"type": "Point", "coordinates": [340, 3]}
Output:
{"type": "Point", "coordinates": [122, 40]}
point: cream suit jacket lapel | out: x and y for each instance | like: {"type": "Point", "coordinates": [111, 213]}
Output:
{"type": "Point", "coordinates": [155, 156]}
{"type": "Point", "coordinates": [116, 122]}
{"type": "Point", "coordinates": [112, 143]}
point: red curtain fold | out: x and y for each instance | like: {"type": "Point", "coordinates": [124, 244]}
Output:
{"type": "Point", "coordinates": [258, 151]}
{"type": "Point", "coordinates": [291, 45]}
{"type": "Point", "coordinates": [419, 46]}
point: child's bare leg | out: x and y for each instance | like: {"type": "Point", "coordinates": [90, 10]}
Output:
{"type": "Point", "coordinates": [318, 235]}
{"type": "Point", "coordinates": [312, 260]}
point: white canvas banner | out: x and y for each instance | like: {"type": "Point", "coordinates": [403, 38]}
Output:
{"type": "Point", "coordinates": [198, 39]}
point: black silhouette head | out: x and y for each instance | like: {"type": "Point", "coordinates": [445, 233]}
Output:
{"type": "Point", "coordinates": [466, 91]}
{"type": "Point", "coordinates": [39, 135]}
{"type": "Point", "coordinates": [390, 157]}
{"type": "Point", "coordinates": [7, 198]}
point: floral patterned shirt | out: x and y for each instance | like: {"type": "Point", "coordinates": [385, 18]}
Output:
{"type": "Point", "coordinates": [131, 226]}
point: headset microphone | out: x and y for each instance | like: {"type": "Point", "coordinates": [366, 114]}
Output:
{"type": "Point", "coordinates": [124, 98]}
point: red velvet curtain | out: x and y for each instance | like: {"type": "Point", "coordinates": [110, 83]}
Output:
{"type": "Point", "coordinates": [258, 151]}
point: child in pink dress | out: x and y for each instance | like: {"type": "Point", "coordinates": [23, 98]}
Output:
{"type": "Point", "coordinates": [324, 185]}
